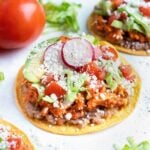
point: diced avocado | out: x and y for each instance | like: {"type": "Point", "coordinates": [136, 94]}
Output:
{"type": "Point", "coordinates": [74, 87]}
{"type": "Point", "coordinates": [117, 24]}
{"type": "Point", "coordinates": [32, 69]}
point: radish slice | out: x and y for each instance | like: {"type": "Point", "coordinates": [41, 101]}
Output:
{"type": "Point", "coordinates": [98, 53]}
{"type": "Point", "coordinates": [52, 58]}
{"type": "Point", "coordinates": [77, 52]}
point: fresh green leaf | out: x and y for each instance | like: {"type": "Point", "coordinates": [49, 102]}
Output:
{"type": "Point", "coordinates": [1, 139]}
{"type": "Point", "coordinates": [104, 8]}
{"type": "Point", "coordinates": [110, 81]}
{"type": "Point", "coordinates": [2, 76]}
{"type": "Point", "coordinates": [74, 86]}
{"type": "Point", "coordinates": [62, 16]}
{"type": "Point", "coordinates": [131, 145]}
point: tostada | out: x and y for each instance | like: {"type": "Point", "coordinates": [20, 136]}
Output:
{"type": "Point", "coordinates": [123, 23]}
{"type": "Point", "coordinates": [76, 85]}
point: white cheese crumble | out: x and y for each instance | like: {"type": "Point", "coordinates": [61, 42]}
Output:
{"type": "Point", "coordinates": [54, 97]}
{"type": "Point", "coordinates": [128, 86]}
{"type": "Point", "coordinates": [56, 104]}
{"type": "Point", "coordinates": [102, 96]}
{"type": "Point", "coordinates": [68, 116]}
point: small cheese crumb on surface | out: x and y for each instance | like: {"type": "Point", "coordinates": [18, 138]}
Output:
{"type": "Point", "coordinates": [68, 116]}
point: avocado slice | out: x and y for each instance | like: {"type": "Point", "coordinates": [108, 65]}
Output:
{"type": "Point", "coordinates": [32, 68]}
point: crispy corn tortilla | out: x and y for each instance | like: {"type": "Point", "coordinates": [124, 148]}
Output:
{"type": "Point", "coordinates": [17, 131]}
{"type": "Point", "coordinates": [72, 130]}
{"type": "Point", "coordinates": [119, 48]}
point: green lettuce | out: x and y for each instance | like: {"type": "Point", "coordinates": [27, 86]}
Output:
{"type": "Point", "coordinates": [2, 76]}
{"type": "Point", "coordinates": [62, 16]}
{"type": "Point", "coordinates": [131, 145]}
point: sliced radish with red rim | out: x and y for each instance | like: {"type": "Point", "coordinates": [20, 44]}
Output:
{"type": "Point", "coordinates": [52, 58]}
{"type": "Point", "coordinates": [77, 52]}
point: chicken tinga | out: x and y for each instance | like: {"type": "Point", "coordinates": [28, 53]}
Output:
{"type": "Point", "coordinates": [76, 85]}
{"type": "Point", "coordinates": [124, 23]}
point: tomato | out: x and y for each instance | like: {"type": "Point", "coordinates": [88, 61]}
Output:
{"type": "Point", "coordinates": [145, 11]}
{"type": "Point", "coordinates": [93, 69]}
{"type": "Point", "coordinates": [109, 53]}
{"type": "Point", "coordinates": [21, 22]}
{"type": "Point", "coordinates": [47, 79]}
{"type": "Point", "coordinates": [54, 88]}
{"type": "Point", "coordinates": [18, 143]}
{"type": "Point", "coordinates": [117, 3]}
{"type": "Point", "coordinates": [127, 72]}
{"type": "Point", "coordinates": [64, 39]}
{"type": "Point", "coordinates": [112, 18]}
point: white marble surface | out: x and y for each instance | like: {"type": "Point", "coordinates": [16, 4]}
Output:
{"type": "Point", "coordinates": [136, 125]}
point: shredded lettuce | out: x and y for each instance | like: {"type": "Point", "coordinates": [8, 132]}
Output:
{"type": "Point", "coordinates": [63, 16]}
{"type": "Point", "coordinates": [104, 8]}
{"type": "Point", "coordinates": [114, 76]}
{"type": "Point", "coordinates": [49, 99]}
{"type": "Point", "coordinates": [74, 86]}
{"type": "Point", "coordinates": [2, 76]}
{"type": "Point", "coordinates": [131, 145]}
{"type": "Point", "coordinates": [111, 81]}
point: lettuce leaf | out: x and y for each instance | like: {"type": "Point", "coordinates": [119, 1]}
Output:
{"type": "Point", "coordinates": [62, 16]}
{"type": "Point", "coordinates": [2, 76]}
{"type": "Point", "coordinates": [131, 145]}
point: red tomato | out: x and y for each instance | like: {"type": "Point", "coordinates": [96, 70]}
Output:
{"type": "Point", "coordinates": [112, 18]}
{"type": "Point", "coordinates": [64, 39]}
{"type": "Point", "coordinates": [47, 79]}
{"type": "Point", "coordinates": [21, 22]}
{"type": "Point", "coordinates": [145, 11]}
{"type": "Point", "coordinates": [109, 53]}
{"type": "Point", "coordinates": [127, 72]}
{"type": "Point", "coordinates": [17, 142]}
{"type": "Point", "coordinates": [54, 88]}
{"type": "Point", "coordinates": [117, 3]}
{"type": "Point", "coordinates": [93, 69]}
